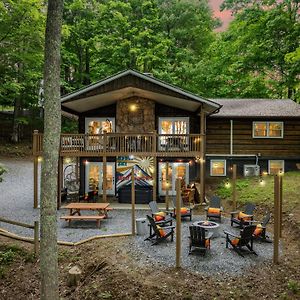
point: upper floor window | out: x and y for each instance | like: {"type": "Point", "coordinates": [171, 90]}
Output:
{"type": "Point", "coordinates": [267, 129]}
{"type": "Point", "coordinates": [99, 125]}
{"type": "Point", "coordinates": [174, 125]}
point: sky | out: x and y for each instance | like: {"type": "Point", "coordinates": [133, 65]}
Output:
{"type": "Point", "coordinates": [224, 16]}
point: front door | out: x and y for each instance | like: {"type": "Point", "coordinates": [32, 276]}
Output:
{"type": "Point", "coordinates": [94, 177]}
{"type": "Point", "coordinates": [176, 170]}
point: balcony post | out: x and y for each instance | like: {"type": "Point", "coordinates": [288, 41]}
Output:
{"type": "Point", "coordinates": [202, 156]}
{"type": "Point", "coordinates": [104, 184]}
{"type": "Point", "coordinates": [154, 175]}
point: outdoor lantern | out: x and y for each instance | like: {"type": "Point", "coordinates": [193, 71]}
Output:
{"type": "Point", "coordinates": [86, 162]}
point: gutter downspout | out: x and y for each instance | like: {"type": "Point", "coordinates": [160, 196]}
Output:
{"type": "Point", "coordinates": [231, 137]}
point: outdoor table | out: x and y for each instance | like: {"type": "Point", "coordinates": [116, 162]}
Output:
{"type": "Point", "coordinates": [75, 208]}
{"type": "Point", "coordinates": [212, 227]}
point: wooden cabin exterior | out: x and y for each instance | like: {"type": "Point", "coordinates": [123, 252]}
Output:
{"type": "Point", "coordinates": [134, 121]}
{"type": "Point", "coordinates": [254, 132]}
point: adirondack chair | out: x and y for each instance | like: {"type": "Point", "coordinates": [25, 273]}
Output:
{"type": "Point", "coordinates": [260, 230]}
{"type": "Point", "coordinates": [186, 212]}
{"type": "Point", "coordinates": [214, 210]}
{"type": "Point", "coordinates": [160, 233]}
{"type": "Point", "coordinates": [243, 217]}
{"type": "Point", "coordinates": [239, 242]}
{"type": "Point", "coordinates": [199, 239]}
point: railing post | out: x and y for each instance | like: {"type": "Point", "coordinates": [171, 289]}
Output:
{"type": "Point", "coordinates": [36, 237]}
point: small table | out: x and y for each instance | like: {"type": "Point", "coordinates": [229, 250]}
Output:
{"type": "Point", "coordinates": [212, 227]}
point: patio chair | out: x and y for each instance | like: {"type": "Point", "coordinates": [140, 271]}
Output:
{"type": "Point", "coordinates": [186, 212]}
{"type": "Point", "coordinates": [239, 242]}
{"type": "Point", "coordinates": [214, 210]}
{"type": "Point", "coordinates": [260, 229]}
{"type": "Point", "coordinates": [243, 217]}
{"type": "Point", "coordinates": [199, 239]}
{"type": "Point", "coordinates": [159, 215]}
{"type": "Point", "coordinates": [160, 233]}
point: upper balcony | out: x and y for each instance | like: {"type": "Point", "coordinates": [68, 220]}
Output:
{"type": "Point", "coordinates": [122, 144]}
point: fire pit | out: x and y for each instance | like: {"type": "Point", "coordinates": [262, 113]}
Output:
{"type": "Point", "coordinates": [212, 227]}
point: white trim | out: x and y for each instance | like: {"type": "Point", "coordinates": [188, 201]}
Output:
{"type": "Point", "coordinates": [268, 126]}
{"type": "Point", "coordinates": [275, 160]}
{"type": "Point", "coordinates": [218, 160]}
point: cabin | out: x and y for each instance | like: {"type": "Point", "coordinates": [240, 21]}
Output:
{"type": "Point", "coordinates": [133, 122]}
{"type": "Point", "coordinates": [258, 135]}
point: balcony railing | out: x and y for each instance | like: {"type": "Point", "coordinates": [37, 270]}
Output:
{"type": "Point", "coordinates": [118, 144]}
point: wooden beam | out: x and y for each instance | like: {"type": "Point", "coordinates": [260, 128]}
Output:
{"type": "Point", "coordinates": [132, 203]}
{"type": "Point", "coordinates": [178, 223]}
{"type": "Point", "coordinates": [234, 187]}
{"type": "Point", "coordinates": [276, 219]}
{"type": "Point", "coordinates": [154, 178]}
{"type": "Point", "coordinates": [202, 156]}
{"type": "Point", "coordinates": [167, 186]}
{"type": "Point", "coordinates": [104, 179]}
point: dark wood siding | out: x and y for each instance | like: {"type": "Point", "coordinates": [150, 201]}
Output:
{"type": "Point", "coordinates": [218, 139]}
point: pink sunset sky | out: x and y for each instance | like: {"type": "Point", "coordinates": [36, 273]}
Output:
{"type": "Point", "coordinates": [224, 16]}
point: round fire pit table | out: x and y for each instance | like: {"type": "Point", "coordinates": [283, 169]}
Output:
{"type": "Point", "coordinates": [212, 227]}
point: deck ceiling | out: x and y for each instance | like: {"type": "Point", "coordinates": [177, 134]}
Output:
{"type": "Point", "coordinates": [101, 100]}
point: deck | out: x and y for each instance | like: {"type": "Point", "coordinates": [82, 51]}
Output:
{"type": "Point", "coordinates": [120, 144]}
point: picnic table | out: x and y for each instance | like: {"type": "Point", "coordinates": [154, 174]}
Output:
{"type": "Point", "coordinates": [76, 208]}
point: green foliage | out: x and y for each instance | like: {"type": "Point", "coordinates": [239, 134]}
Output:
{"type": "Point", "coordinates": [294, 286]}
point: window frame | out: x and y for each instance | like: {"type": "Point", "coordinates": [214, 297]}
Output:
{"type": "Point", "coordinates": [101, 119]}
{"type": "Point", "coordinates": [268, 129]}
{"type": "Point", "coordinates": [276, 160]}
{"type": "Point", "coordinates": [211, 167]}
{"type": "Point", "coordinates": [173, 119]}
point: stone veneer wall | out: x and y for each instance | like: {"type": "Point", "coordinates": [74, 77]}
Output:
{"type": "Point", "coordinates": [139, 121]}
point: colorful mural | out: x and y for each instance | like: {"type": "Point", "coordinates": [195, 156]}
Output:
{"type": "Point", "coordinates": [143, 170]}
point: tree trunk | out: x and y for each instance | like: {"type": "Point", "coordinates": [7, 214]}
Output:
{"type": "Point", "coordinates": [15, 131]}
{"type": "Point", "coordinates": [52, 127]}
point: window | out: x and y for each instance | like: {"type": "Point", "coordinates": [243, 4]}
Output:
{"type": "Point", "coordinates": [218, 167]}
{"type": "Point", "coordinates": [275, 166]}
{"type": "Point", "coordinates": [99, 125]}
{"type": "Point", "coordinates": [173, 125]}
{"type": "Point", "coordinates": [268, 129]}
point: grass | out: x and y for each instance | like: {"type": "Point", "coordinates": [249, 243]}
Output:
{"type": "Point", "coordinates": [251, 189]}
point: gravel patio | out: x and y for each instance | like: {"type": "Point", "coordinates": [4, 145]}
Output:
{"type": "Point", "coordinates": [16, 200]}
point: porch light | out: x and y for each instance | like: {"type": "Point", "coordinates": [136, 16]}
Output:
{"type": "Point", "coordinates": [190, 162]}
{"type": "Point", "coordinates": [40, 159]}
{"type": "Point", "coordinates": [132, 107]}
{"type": "Point", "coordinates": [86, 162]}
{"type": "Point", "coordinates": [67, 160]}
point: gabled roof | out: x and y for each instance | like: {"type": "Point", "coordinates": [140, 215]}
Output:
{"type": "Point", "coordinates": [131, 83]}
{"type": "Point", "coordinates": [255, 108]}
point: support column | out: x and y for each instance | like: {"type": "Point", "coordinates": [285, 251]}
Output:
{"type": "Point", "coordinates": [104, 179]}
{"type": "Point", "coordinates": [154, 176]}
{"type": "Point", "coordinates": [202, 156]}
{"type": "Point", "coordinates": [234, 187]}
{"type": "Point", "coordinates": [167, 186]}
{"type": "Point", "coordinates": [178, 223]}
{"type": "Point", "coordinates": [276, 219]}
{"type": "Point", "coordinates": [280, 205]}
{"type": "Point", "coordinates": [132, 202]}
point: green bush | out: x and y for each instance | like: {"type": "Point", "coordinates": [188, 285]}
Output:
{"type": "Point", "coordinates": [2, 171]}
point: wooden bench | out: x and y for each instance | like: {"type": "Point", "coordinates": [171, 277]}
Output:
{"type": "Point", "coordinates": [70, 218]}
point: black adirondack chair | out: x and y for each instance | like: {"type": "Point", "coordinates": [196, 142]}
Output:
{"type": "Point", "coordinates": [260, 232]}
{"type": "Point", "coordinates": [188, 213]}
{"type": "Point", "coordinates": [155, 212]}
{"type": "Point", "coordinates": [199, 239]}
{"type": "Point", "coordinates": [215, 203]}
{"type": "Point", "coordinates": [245, 220]}
{"type": "Point", "coordinates": [159, 233]}
{"type": "Point", "coordinates": [239, 242]}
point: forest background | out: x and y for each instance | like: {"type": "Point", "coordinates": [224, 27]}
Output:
{"type": "Point", "coordinates": [257, 56]}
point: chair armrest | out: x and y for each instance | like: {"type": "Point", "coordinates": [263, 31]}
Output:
{"type": "Point", "coordinates": [234, 212]}
{"type": "Point", "coordinates": [168, 227]}
{"type": "Point", "coordinates": [230, 233]}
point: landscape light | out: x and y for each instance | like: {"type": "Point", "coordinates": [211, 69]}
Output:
{"type": "Point", "coordinates": [227, 184]}
{"type": "Point", "coordinates": [262, 182]}
{"type": "Point", "coordinates": [40, 159]}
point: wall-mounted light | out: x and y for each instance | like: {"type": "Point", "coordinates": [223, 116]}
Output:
{"type": "Point", "coordinates": [133, 107]}
{"type": "Point", "coordinates": [86, 162]}
{"type": "Point", "coordinates": [40, 159]}
{"type": "Point", "coordinates": [67, 160]}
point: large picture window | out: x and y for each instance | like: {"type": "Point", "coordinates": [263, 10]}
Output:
{"type": "Point", "coordinates": [267, 129]}
{"type": "Point", "coordinates": [99, 125]}
{"type": "Point", "coordinates": [218, 167]}
{"type": "Point", "coordinates": [276, 166]}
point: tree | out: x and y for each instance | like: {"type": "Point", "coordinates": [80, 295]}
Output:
{"type": "Point", "coordinates": [52, 127]}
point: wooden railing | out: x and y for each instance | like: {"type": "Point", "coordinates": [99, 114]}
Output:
{"type": "Point", "coordinates": [119, 144]}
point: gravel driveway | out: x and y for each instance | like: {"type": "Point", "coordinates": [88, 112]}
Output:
{"type": "Point", "coordinates": [16, 201]}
